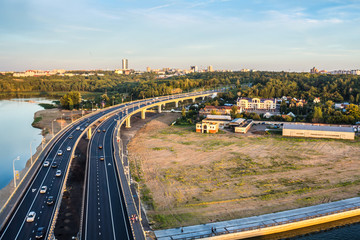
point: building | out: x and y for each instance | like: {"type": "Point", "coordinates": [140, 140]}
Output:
{"type": "Point", "coordinates": [125, 64]}
{"type": "Point", "coordinates": [318, 131]}
{"type": "Point", "coordinates": [207, 127]}
{"type": "Point", "coordinates": [222, 120]}
{"type": "Point", "coordinates": [244, 126]}
{"type": "Point", "coordinates": [210, 68]}
{"type": "Point", "coordinates": [316, 100]}
{"type": "Point", "coordinates": [314, 70]}
{"type": "Point", "coordinates": [256, 104]}
{"type": "Point", "coordinates": [215, 110]}
{"type": "Point", "coordinates": [194, 68]}
{"type": "Point", "coordinates": [148, 69]}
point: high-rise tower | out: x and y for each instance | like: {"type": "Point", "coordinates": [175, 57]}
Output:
{"type": "Point", "coordinates": [125, 65]}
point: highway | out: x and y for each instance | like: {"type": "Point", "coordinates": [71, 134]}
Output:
{"type": "Point", "coordinates": [105, 215]}
{"type": "Point", "coordinates": [103, 182]}
{"type": "Point", "coordinates": [33, 200]}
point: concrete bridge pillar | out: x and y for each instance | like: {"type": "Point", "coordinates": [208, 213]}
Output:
{"type": "Point", "coordinates": [89, 133]}
{"type": "Point", "coordinates": [127, 122]}
{"type": "Point", "coordinates": [193, 100]}
{"type": "Point", "coordinates": [143, 114]}
{"type": "Point", "coordinates": [203, 98]}
{"type": "Point", "coordinates": [159, 108]}
{"type": "Point", "coordinates": [176, 104]}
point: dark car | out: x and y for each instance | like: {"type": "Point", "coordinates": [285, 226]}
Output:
{"type": "Point", "coordinates": [101, 158]}
{"type": "Point", "coordinates": [54, 165]}
{"type": "Point", "coordinates": [70, 137]}
{"type": "Point", "coordinates": [104, 130]}
{"type": "Point", "coordinates": [40, 233]}
{"type": "Point", "coordinates": [100, 146]}
{"type": "Point", "coordinates": [50, 200]}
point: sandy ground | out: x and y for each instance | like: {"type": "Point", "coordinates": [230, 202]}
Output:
{"type": "Point", "coordinates": [189, 178]}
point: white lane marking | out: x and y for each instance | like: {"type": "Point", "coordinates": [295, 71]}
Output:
{"type": "Point", "coordinates": [33, 190]}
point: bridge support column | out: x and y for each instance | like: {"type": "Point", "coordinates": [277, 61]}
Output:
{"type": "Point", "coordinates": [193, 100]}
{"type": "Point", "coordinates": [177, 104]}
{"type": "Point", "coordinates": [89, 133]}
{"type": "Point", "coordinates": [203, 98]}
{"type": "Point", "coordinates": [127, 123]}
{"type": "Point", "coordinates": [143, 114]}
{"type": "Point", "coordinates": [159, 108]}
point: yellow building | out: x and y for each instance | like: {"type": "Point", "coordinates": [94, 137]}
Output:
{"type": "Point", "coordinates": [256, 104]}
{"type": "Point", "coordinates": [207, 127]}
{"type": "Point", "coordinates": [318, 131]}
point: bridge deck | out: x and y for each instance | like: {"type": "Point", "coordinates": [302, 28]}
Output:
{"type": "Point", "coordinates": [250, 223]}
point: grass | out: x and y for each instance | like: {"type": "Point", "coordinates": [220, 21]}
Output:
{"type": "Point", "coordinates": [47, 105]}
{"type": "Point", "coordinates": [36, 120]}
{"type": "Point", "coordinates": [171, 220]}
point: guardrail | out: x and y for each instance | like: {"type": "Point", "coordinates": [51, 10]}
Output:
{"type": "Point", "coordinates": [118, 161]}
{"type": "Point", "coordinates": [219, 233]}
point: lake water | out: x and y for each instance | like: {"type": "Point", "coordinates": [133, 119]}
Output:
{"type": "Point", "coordinates": [16, 134]}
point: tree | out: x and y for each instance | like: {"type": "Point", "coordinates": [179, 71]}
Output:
{"type": "Point", "coordinates": [318, 116]}
{"type": "Point", "coordinates": [233, 111]}
{"type": "Point", "coordinates": [183, 112]}
{"type": "Point", "coordinates": [70, 100]}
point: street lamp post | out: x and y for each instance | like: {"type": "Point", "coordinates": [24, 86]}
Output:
{"type": "Point", "coordinates": [31, 159]}
{"type": "Point", "coordinates": [16, 159]}
{"type": "Point", "coordinates": [52, 127]}
{"type": "Point", "coordinates": [138, 188]}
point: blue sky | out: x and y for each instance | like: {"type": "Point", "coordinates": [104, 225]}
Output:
{"type": "Point", "coordinates": [228, 34]}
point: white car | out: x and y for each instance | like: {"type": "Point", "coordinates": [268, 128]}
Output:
{"type": "Point", "coordinates": [31, 217]}
{"type": "Point", "coordinates": [58, 173]}
{"type": "Point", "coordinates": [46, 163]}
{"type": "Point", "coordinates": [78, 128]}
{"type": "Point", "coordinates": [43, 189]}
{"type": "Point", "coordinates": [59, 153]}
{"type": "Point", "coordinates": [68, 149]}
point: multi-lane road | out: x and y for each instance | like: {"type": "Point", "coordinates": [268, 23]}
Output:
{"type": "Point", "coordinates": [105, 211]}
{"type": "Point", "coordinates": [105, 215]}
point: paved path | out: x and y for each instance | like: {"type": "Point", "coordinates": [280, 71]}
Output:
{"type": "Point", "coordinates": [255, 222]}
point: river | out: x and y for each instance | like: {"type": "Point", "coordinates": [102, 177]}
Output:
{"type": "Point", "coordinates": [16, 116]}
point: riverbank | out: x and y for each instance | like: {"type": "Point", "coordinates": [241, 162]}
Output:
{"type": "Point", "coordinates": [49, 121]}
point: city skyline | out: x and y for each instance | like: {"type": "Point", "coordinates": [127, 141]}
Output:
{"type": "Point", "coordinates": [265, 35]}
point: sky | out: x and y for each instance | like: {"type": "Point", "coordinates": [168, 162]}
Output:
{"type": "Point", "coordinates": [275, 35]}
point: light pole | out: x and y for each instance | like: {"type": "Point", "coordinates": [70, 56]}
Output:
{"type": "Point", "coordinates": [138, 187]}
{"type": "Point", "coordinates": [52, 127]}
{"type": "Point", "coordinates": [16, 159]}
{"type": "Point", "coordinates": [31, 160]}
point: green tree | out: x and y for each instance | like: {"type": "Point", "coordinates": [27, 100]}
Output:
{"type": "Point", "coordinates": [318, 115]}
{"type": "Point", "coordinates": [70, 100]}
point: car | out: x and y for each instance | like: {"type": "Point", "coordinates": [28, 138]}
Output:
{"type": "Point", "coordinates": [58, 173]}
{"type": "Point", "coordinates": [40, 233]}
{"type": "Point", "coordinates": [50, 200]}
{"type": "Point", "coordinates": [59, 152]}
{"type": "Point", "coordinates": [54, 165]}
{"type": "Point", "coordinates": [104, 130]}
{"type": "Point", "coordinates": [46, 163]}
{"type": "Point", "coordinates": [100, 146]}
{"type": "Point", "coordinates": [43, 189]}
{"type": "Point", "coordinates": [78, 128]}
{"type": "Point", "coordinates": [30, 217]}
{"type": "Point", "coordinates": [86, 125]}
{"type": "Point", "coordinates": [70, 136]}
{"type": "Point", "coordinates": [98, 130]}
{"type": "Point", "coordinates": [102, 158]}
{"type": "Point", "coordinates": [68, 149]}
{"type": "Point", "coordinates": [81, 129]}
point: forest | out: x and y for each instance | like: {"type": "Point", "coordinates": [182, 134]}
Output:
{"type": "Point", "coordinates": [113, 88]}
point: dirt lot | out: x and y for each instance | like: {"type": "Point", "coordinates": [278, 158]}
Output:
{"type": "Point", "coordinates": [189, 178]}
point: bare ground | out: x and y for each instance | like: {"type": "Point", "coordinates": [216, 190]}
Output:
{"type": "Point", "coordinates": [189, 178]}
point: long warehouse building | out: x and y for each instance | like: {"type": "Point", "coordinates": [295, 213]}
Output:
{"type": "Point", "coordinates": [318, 131]}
